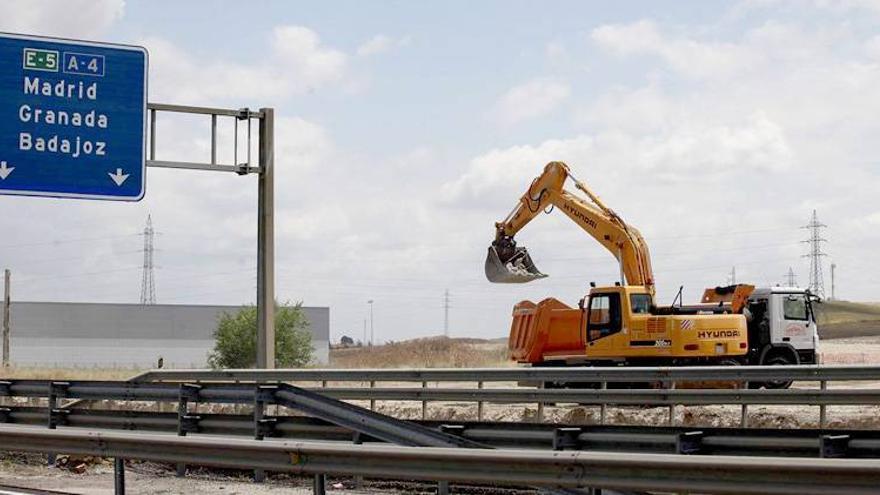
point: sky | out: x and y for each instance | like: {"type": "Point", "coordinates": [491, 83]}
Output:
{"type": "Point", "coordinates": [404, 130]}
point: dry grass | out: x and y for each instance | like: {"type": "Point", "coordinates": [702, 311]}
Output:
{"type": "Point", "coordinates": [25, 373]}
{"type": "Point", "coordinates": [432, 352]}
{"type": "Point", "coordinates": [833, 312]}
{"type": "Point", "coordinates": [843, 319]}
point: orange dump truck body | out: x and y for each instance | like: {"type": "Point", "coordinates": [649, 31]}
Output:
{"type": "Point", "coordinates": [551, 331]}
{"type": "Point", "coordinates": [550, 326]}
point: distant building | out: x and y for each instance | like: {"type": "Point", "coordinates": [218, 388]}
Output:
{"type": "Point", "coordinates": [128, 335]}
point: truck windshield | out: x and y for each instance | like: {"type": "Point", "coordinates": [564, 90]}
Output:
{"type": "Point", "coordinates": [795, 308]}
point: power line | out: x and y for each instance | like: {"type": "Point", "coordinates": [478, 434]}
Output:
{"type": "Point", "coordinates": [66, 241]}
{"type": "Point", "coordinates": [816, 286]}
{"type": "Point", "coordinates": [148, 281]}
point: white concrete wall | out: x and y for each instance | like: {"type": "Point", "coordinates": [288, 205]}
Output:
{"type": "Point", "coordinates": [128, 353]}
{"type": "Point", "coordinates": [128, 335]}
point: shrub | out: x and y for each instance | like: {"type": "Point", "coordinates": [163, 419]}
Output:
{"type": "Point", "coordinates": [235, 343]}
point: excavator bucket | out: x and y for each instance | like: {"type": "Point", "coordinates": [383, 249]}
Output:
{"type": "Point", "coordinates": [516, 267]}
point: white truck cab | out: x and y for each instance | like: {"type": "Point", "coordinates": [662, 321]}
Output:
{"type": "Point", "coordinates": [782, 326]}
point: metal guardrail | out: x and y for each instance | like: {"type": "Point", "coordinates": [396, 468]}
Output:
{"type": "Point", "coordinates": [542, 436]}
{"type": "Point", "coordinates": [562, 374]}
{"type": "Point", "coordinates": [614, 397]}
{"type": "Point", "coordinates": [308, 399]}
{"type": "Point", "coordinates": [668, 377]}
{"type": "Point", "coordinates": [244, 393]}
{"type": "Point", "coordinates": [717, 474]}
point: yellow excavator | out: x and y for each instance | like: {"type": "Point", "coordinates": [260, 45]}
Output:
{"type": "Point", "coordinates": [621, 324]}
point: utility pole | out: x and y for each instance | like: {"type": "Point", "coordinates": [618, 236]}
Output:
{"type": "Point", "coordinates": [833, 291]}
{"type": "Point", "coordinates": [370, 302]}
{"type": "Point", "coordinates": [790, 279]}
{"type": "Point", "coordinates": [446, 313]}
{"type": "Point", "coordinates": [364, 342]}
{"type": "Point", "coordinates": [7, 278]}
{"type": "Point", "coordinates": [817, 286]}
{"type": "Point", "coordinates": [148, 281]}
{"type": "Point", "coordinates": [733, 275]}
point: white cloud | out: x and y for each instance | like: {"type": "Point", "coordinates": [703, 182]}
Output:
{"type": "Point", "coordinates": [61, 18]}
{"type": "Point", "coordinates": [690, 57]}
{"type": "Point", "coordinates": [381, 44]}
{"type": "Point", "coordinates": [298, 62]}
{"type": "Point", "coordinates": [377, 44]}
{"type": "Point", "coordinates": [302, 56]}
{"type": "Point", "coordinates": [530, 100]}
{"type": "Point", "coordinates": [838, 7]}
{"type": "Point", "coordinates": [683, 155]}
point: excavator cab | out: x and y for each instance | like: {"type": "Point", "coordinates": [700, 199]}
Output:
{"type": "Point", "coordinates": [508, 264]}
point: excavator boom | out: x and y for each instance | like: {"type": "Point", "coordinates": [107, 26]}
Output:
{"type": "Point", "coordinates": [508, 263]}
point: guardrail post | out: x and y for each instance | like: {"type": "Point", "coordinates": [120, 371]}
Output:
{"type": "Point", "coordinates": [424, 404]}
{"type": "Point", "coordinates": [118, 476]}
{"type": "Point", "coordinates": [603, 409]}
{"type": "Point", "coordinates": [539, 414]}
{"type": "Point", "coordinates": [458, 430]}
{"type": "Point", "coordinates": [744, 416]}
{"type": "Point", "coordinates": [186, 422]}
{"type": "Point", "coordinates": [372, 401]}
{"type": "Point", "coordinates": [56, 390]}
{"type": "Point", "coordinates": [566, 438]}
{"type": "Point", "coordinates": [357, 439]}
{"type": "Point", "coordinates": [480, 404]}
{"type": "Point", "coordinates": [689, 442]}
{"type": "Point", "coordinates": [823, 420]}
{"type": "Point", "coordinates": [263, 394]}
{"type": "Point", "coordinates": [320, 484]}
{"type": "Point", "coordinates": [671, 386]}
{"type": "Point", "coordinates": [832, 446]}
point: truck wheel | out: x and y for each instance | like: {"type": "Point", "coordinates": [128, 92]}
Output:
{"type": "Point", "coordinates": [778, 360]}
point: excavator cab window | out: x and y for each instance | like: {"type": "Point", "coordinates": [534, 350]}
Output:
{"type": "Point", "coordinates": [603, 317]}
{"type": "Point", "coordinates": [640, 303]}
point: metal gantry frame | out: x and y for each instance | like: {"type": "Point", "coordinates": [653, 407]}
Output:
{"type": "Point", "coordinates": [265, 171]}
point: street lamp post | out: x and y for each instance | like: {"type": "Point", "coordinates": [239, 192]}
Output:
{"type": "Point", "coordinates": [370, 302]}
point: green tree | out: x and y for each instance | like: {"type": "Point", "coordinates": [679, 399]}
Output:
{"type": "Point", "coordinates": [235, 343]}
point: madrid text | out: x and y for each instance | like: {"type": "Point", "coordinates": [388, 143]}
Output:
{"type": "Point", "coordinates": [55, 143]}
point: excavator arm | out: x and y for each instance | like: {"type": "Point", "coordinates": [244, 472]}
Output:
{"type": "Point", "coordinates": [507, 263]}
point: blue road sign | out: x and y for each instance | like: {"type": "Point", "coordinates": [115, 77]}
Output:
{"type": "Point", "coordinates": [72, 118]}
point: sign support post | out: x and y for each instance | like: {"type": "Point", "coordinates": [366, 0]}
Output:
{"type": "Point", "coordinates": [7, 303]}
{"type": "Point", "coordinates": [266, 243]}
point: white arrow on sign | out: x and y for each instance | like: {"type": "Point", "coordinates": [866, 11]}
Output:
{"type": "Point", "coordinates": [5, 171]}
{"type": "Point", "coordinates": [118, 177]}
